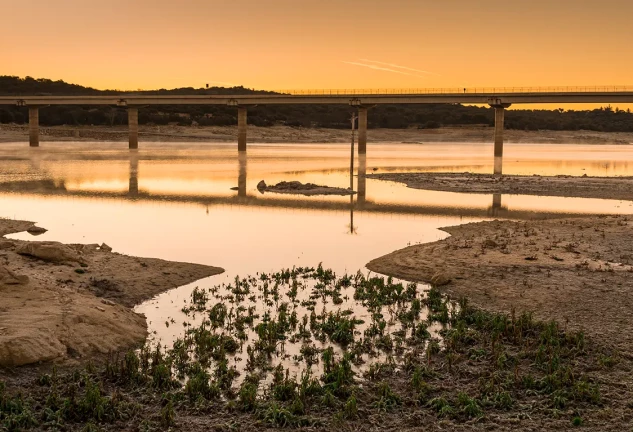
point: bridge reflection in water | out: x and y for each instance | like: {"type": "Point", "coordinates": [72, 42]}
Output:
{"type": "Point", "coordinates": [242, 197]}
{"type": "Point", "coordinates": [133, 189]}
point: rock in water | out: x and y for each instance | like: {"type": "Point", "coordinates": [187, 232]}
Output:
{"type": "Point", "coordinates": [49, 251]}
{"type": "Point", "coordinates": [35, 230]}
{"type": "Point", "coordinates": [308, 189]}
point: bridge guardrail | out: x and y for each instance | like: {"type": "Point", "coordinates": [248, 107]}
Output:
{"type": "Point", "coordinates": [457, 90]}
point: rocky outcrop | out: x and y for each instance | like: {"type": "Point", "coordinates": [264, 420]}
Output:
{"type": "Point", "coordinates": [7, 277]}
{"type": "Point", "coordinates": [50, 251]}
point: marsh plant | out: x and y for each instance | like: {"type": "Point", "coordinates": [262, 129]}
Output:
{"type": "Point", "coordinates": [304, 347]}
{"type": "Point", "coordinates": [303, 319]}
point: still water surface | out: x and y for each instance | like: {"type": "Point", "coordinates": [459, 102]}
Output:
{"type": "Point", "coordinates": [199, 202]}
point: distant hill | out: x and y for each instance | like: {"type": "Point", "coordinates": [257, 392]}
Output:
{"type": "Point", "coordinates": [328, 116]}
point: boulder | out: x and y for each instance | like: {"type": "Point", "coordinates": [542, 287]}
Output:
{"type": "Point", "coordinates": [490, 244]}
{"type": "Point", "coordinates": [27, 349]}
{"type": "Point", "coordinates": [87, 248]}
{"type": "Point", "coordinates": [7, 277]}
{"type": "Point", "coordinates": [440, 279]}
{"type": "Point", "coordinates": [6, 244]}
{"type": "Point", "coordinates": [105, 248]}
{"type": "Point", "coordinates": [49, 251]}
{"type": "Point", "coordinates": [261, 186]}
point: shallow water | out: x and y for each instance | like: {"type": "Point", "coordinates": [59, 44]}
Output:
{"type": "Point", "coordinates": [174, 201]}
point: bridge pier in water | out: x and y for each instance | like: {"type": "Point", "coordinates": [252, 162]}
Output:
{"type": "Point", "coordinates": [34, 126]}
{"type": "Point", "coordinates": [241, 128]}
{"type": "Point", "coordinates": [498, 151]}
{"type": "Point", "coordinates": [132, 122]}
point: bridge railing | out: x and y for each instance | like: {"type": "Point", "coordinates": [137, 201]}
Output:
{"type": "Point", "coordinates": [458, 90]}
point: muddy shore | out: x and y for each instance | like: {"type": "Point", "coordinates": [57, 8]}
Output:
{"type": "Point", "coordinates": [276, 134]}
{"type": "Point", "coordinates": [575, 271]}
{"type": "Point", "coordinates": [68, 302]}
{"type": "Point", "coordinates": [619, 188]}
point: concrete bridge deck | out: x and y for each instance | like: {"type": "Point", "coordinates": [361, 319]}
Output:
{"type": "Point", "coordinates": [354, 99]}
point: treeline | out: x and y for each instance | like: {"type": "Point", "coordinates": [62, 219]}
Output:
{"type": "Point", "coordinates": [327, 116]}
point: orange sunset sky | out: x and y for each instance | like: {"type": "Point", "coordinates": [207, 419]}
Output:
{"type": "Point", "coordinates": [310, 44]}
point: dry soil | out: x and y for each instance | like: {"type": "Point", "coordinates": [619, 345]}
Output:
{"type": "Point", "coordinates": [60, 310]}
{"type": "Point", "coordinates": [576, 271]}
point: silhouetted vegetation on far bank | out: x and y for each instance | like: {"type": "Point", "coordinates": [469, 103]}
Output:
{"type": "Point", "coordinates": [426, 116]}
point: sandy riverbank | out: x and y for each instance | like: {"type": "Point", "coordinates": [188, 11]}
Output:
{"type": "Point", "coordinates": [74, 301]}
{"type": "Point", "coordinates": [619, 188]}
{"type": "Point", "coordinates": [575, 271]}
{"type": "Point", "coordinates": [277, 134]}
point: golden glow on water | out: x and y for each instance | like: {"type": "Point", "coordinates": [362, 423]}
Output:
{"type": "Point", "coordinates": [204, 173]}
{"type": "Point", "coordinates": [101, 192]}
{"type": "Point", "coordinates": [174, 201]}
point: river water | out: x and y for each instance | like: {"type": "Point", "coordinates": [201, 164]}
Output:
{"type": "Point", "coordinates": [199, 202]}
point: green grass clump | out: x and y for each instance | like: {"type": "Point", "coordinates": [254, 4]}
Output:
{"type": "Point", "coordinates": [168, 414]}
{"type": "Point", "coordinates": [283, 388]}
{"type": "Point", "coordinates": [388, 398]}
{"type": "Point", "coordinates": [469, 406]}
{"type": "Point", "coordinates": [247, 396]}
{"type": "Point", "coordinates": [350, 409]}
{"type": "Point", "coordinates": [201, 385]}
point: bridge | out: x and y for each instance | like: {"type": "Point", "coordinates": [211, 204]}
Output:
{"type": "Point", "coordinates": [362, 100]}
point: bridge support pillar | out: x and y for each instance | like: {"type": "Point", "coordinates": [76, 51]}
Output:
{"type": "Point", "coordinates": [241, 129]}
{"type": "Point", "coordinates": [498, 152]}
{"type": "Point", "coordinates": [34, 126]}
{"type": "Point", "coordinates": [132, 122]}
{"type": "Point", "coordinates": [362, 130]}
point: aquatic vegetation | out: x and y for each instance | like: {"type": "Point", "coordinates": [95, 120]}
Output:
{"type": "Point", "coordinates": [301, 346]}
{"type": "Point", "coordinates": [201, 384]}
